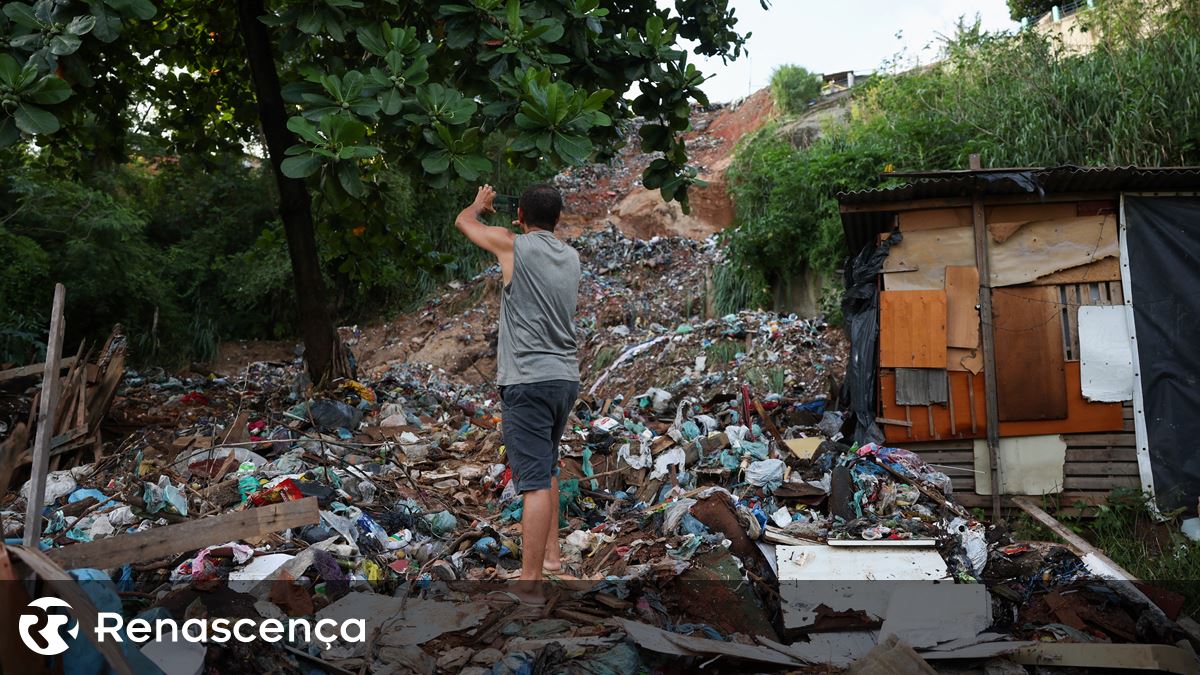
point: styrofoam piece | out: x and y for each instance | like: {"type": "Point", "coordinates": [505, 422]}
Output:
{"type": "Point", "coordinates": [1105, 356]}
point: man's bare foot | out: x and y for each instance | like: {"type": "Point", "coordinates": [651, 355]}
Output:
{"type": "Point", "coordinates": [552, 566]}
{"type": "Point", "coordinates": [529, 592]}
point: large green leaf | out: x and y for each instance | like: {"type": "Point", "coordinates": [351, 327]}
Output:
{"type": "Point", "coordinates": [48, 91]}
{"type": "Point", "coordinates": [33, 120]}
{"type": "Point", "coordinates": [305, 130]}
{"type": "Point", "coordinates": [10, 70]}
{"type": "Point", "coordinates": [301, 166]}
{"type": "Point", "coordinates": [81, 25]}
{"type": "Point", "coordinates": [64, 44]}
{"type": "Point", "coordinates": [22, 15]}
{"type": "Point", "coordinates": [436, 162]}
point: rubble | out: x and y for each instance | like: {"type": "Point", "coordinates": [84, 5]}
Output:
{"type": "Point", "coordinates": [705, 482]}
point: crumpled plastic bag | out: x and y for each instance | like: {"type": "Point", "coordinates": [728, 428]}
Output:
{"type": "Point", "coordinates": [333, 415]}
{"type": "Point", "coordinates": [59, 484]}
{"type": "Point", "coordinates": [767, 474]}
{"type": "Point", "coordinates": [662, 463]}
{"type": "Point", "coordinates": [673, 514]}
{"type": "Point", "coordinates": [164, 496]}
{"type": "Point", "coordinates": [659, 399]}
{"type": "Point", "coordinates": [200, 568]}
{"type": "Point", "coordinates": [642, 460]}
{"type": "Point", "coordinates": [974, 543]}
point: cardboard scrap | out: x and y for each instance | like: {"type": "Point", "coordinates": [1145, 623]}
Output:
{"type": "Point", "coordinates": [803, 448]}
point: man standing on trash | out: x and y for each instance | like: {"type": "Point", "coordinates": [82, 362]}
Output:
{"type": "Point", "coordinates": [536, 361]}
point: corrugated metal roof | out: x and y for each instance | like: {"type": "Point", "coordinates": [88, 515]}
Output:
{"type": "Point", "coordinates": [860, 226]}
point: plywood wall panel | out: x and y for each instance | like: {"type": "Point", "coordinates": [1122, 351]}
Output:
{"type": "Point", "coordinates": [912, 329]}
{"type": "Point", "coordinates": [962, 298]}
{"type": "Point", "coordinates": [1030, 375]}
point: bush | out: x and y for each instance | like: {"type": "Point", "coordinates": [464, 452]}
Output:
{"type": "Point", "coordinates": [1017, 100]}
{"type": "Point", "coordinates": [792, 87]}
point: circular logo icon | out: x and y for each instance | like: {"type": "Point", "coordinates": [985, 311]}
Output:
{"type": "Point", "coordinates": [51, 642]}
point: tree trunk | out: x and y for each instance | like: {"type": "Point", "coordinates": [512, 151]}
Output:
{"type": "Point", "coordinates": [322, 347]}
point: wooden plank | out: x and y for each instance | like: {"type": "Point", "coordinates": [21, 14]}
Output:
{"type": "Point", "coordinates": [45, 424]}
{"type": "Point", "coordinates": [1076, 543]}
{"type": "Point", "coordinates": [1101, 454]}
{"type": "Point", "coordinates": [941, 446]}
{"type": "Point", "coordinates": [1108, 269]}
{"type": "Point", "coordinates": [912, 329]}
{"type": "Point", "coordinates": [1102, 468]}
{"type": "Point", "coordinates": [1070, 297]}
{"type": "Point", "coordinates": [1031, 380]}
{"type": "Point", "coordinates": [947, 457]}
{"type": "Point", "coordinates": [987, 317]}
{"type": "Point", "coordinates": [962, 296]}
{"type": "Point", "coordinates": [933, 219]}
{"type": "Point", "coordinates": [1100, 483]}
{"type": "Point", "coordinates": [1127, 657]}
{"type": "Point", "coordinates": [33, 369]}
{"type": "Point", "coordinates": [1100, 440]}
{"type": "Point", "coordinates": [189, 536]}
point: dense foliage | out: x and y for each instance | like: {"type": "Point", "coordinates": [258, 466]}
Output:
{"type": "Point", "coordinates": [1016, 100]}
{"type": "Point", "coordinates": [360, 105]}
{"type": "Point", "coordinates": [792, 87]}
{"type": "Point", "coordinates": [186, 255]}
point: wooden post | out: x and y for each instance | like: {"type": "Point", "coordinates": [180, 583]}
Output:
{"type": "Point", "coordinates": [48, 403]}
{"type": "Point", "coordinates": [991, 405]}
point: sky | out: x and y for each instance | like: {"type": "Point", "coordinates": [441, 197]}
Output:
{"type": "Point", "coordinates": [828, 36]}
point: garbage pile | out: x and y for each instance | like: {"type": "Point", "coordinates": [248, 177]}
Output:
{"type": "Point", "coordinates": [692, 518]}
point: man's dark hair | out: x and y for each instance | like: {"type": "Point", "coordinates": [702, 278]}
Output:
{"type": "Point", "coordinates": [541, 205]}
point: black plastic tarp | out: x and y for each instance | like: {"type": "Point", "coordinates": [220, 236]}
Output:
{"type": "Point", "coordinates": [1163, 237]}
{"type": "Point", "coordinates": [860, 312]}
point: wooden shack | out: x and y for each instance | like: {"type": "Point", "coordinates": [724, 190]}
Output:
{"type": "Point", "coordinates": [1013, 356]}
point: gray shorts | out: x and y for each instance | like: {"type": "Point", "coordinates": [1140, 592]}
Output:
{"type": "Point", "coordinates": [533, 420]}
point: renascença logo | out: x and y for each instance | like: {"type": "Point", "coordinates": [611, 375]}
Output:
{"type": "Point", "coordinates": [51, 633]}
{"type": "Point", "coordinates": [112, 626]}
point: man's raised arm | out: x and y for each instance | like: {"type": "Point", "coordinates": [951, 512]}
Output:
{"type": "Point", "coordinates": [497, 240]}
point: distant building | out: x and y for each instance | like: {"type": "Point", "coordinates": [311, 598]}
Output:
{"type": "Point", "coordinates": [841, 81]}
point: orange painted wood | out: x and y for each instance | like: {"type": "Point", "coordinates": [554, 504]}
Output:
{"type": "Point", "coordinates": [1083, 416]}
{"type": "Point", "coordinates": [912, 329]}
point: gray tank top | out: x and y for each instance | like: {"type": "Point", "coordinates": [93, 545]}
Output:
{"type": "Point", "coordinates": [537, 312]}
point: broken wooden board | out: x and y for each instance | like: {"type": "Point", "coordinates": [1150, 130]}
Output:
{"type": "Point", "coordinates": [64, 586]}
{"type": "Point", "coordinates": [33, 369]}
{"type": "Point", "coordinates": [912, 331]}
{"type": "Point", "coordinates": [1101, 271]}
{"type": "Point", "coordinates": [190, 536]}
{"type": "Point", "coordinates": [962, 299]}
{"type": "Point", "coordinates": [1030, 371]}
{"type": "Point", "coordinates": [1037, 249]}
{"type": "Point", "coordinates": [1078, 545]}
{"type": "Point", "coordinates": [1030, 465]}
{"type": "Point", "coordinates": [964, 360]}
